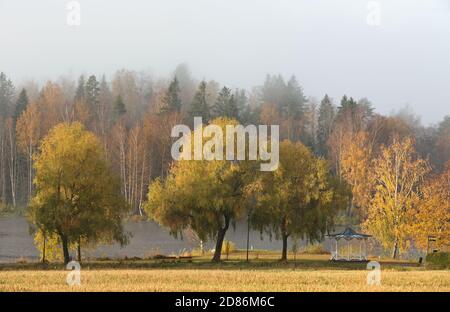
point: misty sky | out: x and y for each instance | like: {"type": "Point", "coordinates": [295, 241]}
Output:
{"type": "Point", "coordinates": [327, 44]}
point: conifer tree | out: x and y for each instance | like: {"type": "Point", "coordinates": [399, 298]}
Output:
{"type": "Point", "coordinates": [199, 107]}
{"type": "Point", "coordinates": [21, 104]}
{"type": "Point", "coordinates": [119, 107]}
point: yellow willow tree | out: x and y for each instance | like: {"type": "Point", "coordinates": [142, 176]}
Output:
{"type": "Point", "coordinates": [300, 199]}
{"type": "Point", "coordinates": [397, 175]}
{"type": "Point", "coordinates": [77, 196]}
{"type": "Point", "coordinates": [433, 212]}
{"type": "Point", "coordinates": [205, 196]}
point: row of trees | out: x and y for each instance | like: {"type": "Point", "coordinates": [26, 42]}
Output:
{"type": "Point", "coordinates": [298, 199]}
{"type": "Point", "coordinates": [132, 117]}
{"type": "Point", "coordinates": [78, 198]}
{"type": "Point", "coordinates": [401, 202]}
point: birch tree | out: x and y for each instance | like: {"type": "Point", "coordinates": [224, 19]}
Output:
{"type": "Point", "coordinates": [397, 175]}
{"type": "Point", "coordinates": [28, 135]}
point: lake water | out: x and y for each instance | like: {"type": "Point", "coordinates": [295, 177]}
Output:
{"type": "Point", "coordinates": [148, 238]}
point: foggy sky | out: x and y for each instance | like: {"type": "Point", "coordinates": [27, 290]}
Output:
{"type": "Point", "coordinates": [327, 44]}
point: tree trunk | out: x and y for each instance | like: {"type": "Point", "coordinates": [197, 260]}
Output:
{"type": "Point", "coordinates": [2, 163]}
{"type": "Point", "coordinates": [162, 161]}
{"type": "Point", "coordinates": [141, 188]}
{"type": "Point", "coordinates": [30, 172]}
{"type": "Point", "coordinates": [13, 160]}
{"type": "Point", "coordinates": [395, 250]}
{"type": "Point", "coordinates": [284, 251]}
{"type": "Point", "coordinates": [79, 250]}
{"type": "Point", "coordinates": [65, 247]}
{"type": "Point", "coordinates": [12, 164]}
{"type": "Point", "coordinates": [43, 248]}
{"type": "Point", "coordinates": [219, 242]}
{"type": "Point", "coordinates": [284, 236]}
{"type": "Point", "coordinates": [220, 238]}
{"type": "Point", "coordinates": [350, 207]}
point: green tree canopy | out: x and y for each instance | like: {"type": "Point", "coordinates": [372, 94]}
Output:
{"type": "Point", "coordinates": [199, 106]}
{"type": "Point", "coordinates": [226, 105]}
{"type": "Point", "coordinates": [21, 104]}
{"type": "Point", "coordinates": [172, 101]}
{"type": "Point", "coordinates": [325, 122]}
{"type": "Point", "coordinates": [92, 92]}
{"type": "Point", "coordinates": [6, 94]}
{"type": "Point", "coordinates": [119, 107]}
{"type": "Point", "coordinates": [80, 93]}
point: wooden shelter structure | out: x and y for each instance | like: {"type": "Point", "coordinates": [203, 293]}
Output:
{"type": "Point", "coordinates": [348, 235]}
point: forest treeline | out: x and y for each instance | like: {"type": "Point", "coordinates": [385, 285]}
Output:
{"type": "Point", "coordinates": [133, 114]}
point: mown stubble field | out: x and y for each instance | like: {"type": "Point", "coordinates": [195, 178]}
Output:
{"type": "Point", "coordinates": [216, 280]}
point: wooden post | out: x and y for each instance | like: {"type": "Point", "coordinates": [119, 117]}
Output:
{"type": "Point", "coordinates": [360, 250]}
{"type": "Point", "coordinates": [248, 234]}
{"type": "Point", "coordinates": [365, 248]}
{"type": "Point", "coordinates": [348, 250]}
{"type": "Point", "coordinates": [337, 257]}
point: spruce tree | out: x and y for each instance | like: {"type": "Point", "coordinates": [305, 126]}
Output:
{"type": "Point", "coordinates": [241, 99]}
{"type": "Point", "coordinates": [119, 107]}
{"type": "Point", "coordinates": [6, 95]}
{"type": "Point", "coordinates": [226, 105]}
{"type": "Point", "coordinates": [199, 107]}
{"type": "Point", "coordinates": [172, 101]}
{"type": "Point", "coordinates": [21, 104]}
{"type": "Point", "coordinates": [80, 92]}
{"type": "Point", "coordinates": [325, 124]}
{"type": "Point", "coordinates": [91, 92]}
{"type": "Point", "coordinates": [294, 100]}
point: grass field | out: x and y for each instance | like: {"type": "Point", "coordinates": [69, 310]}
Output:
{"type": "Point", "coordinates": [308, 273]}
